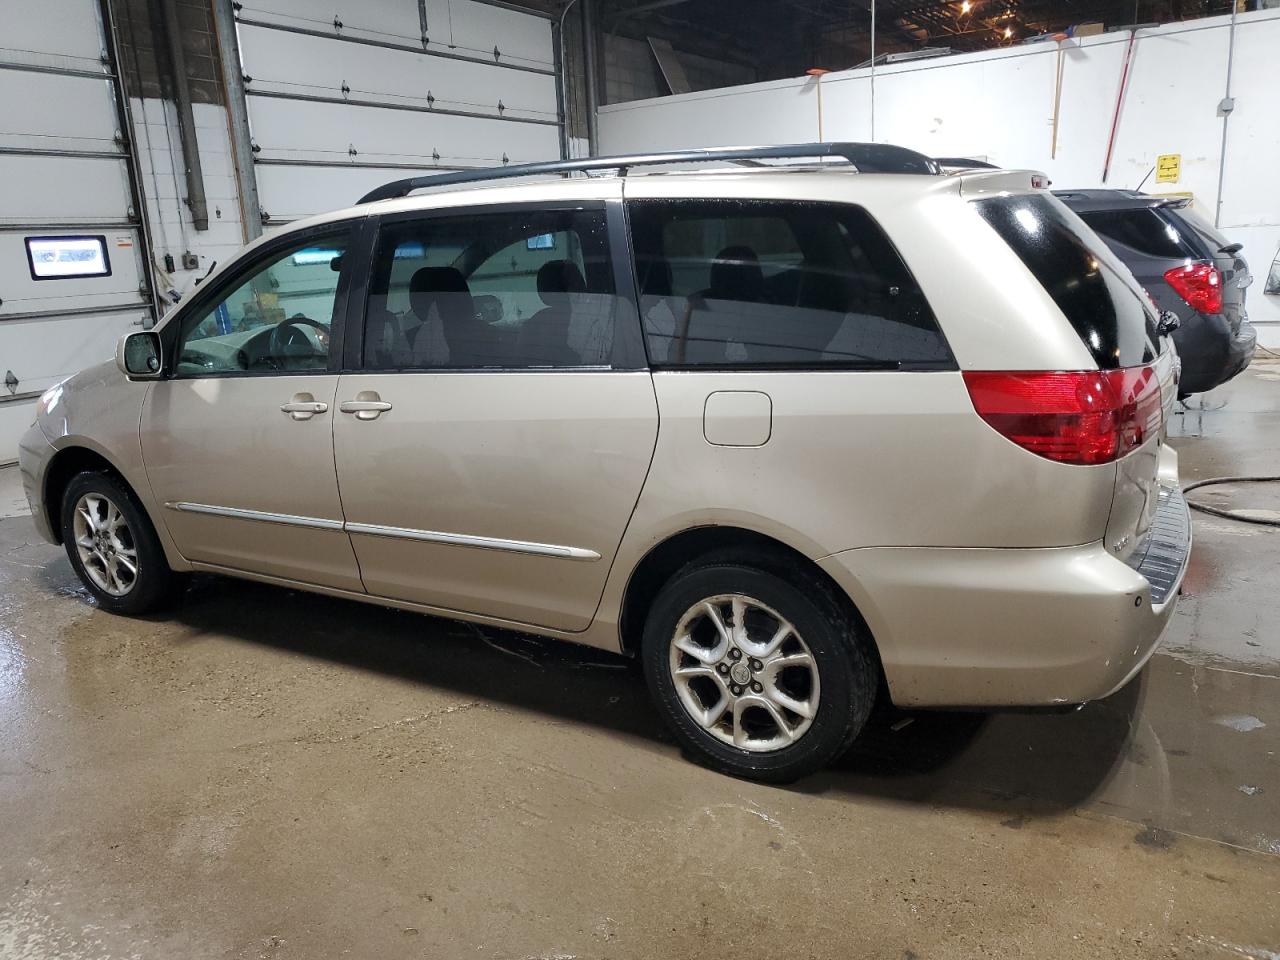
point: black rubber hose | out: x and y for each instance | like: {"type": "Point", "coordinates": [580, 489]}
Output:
{"type": "Point", "coordinates": [1229, 514]}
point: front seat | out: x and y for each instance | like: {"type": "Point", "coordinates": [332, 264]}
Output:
{"type": "Point", "coordinates": [464, 339]}
{"type": "Point", "coordinates": [544, 339]}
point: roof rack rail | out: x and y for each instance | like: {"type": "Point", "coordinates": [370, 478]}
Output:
{"type": "Point", "coordinates": [867, 157]}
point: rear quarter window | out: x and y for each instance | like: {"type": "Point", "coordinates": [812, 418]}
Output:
{"type": "Point", "coordinates": [777, 284]}
{"type": "Point", "coordinates": [1097, 294]}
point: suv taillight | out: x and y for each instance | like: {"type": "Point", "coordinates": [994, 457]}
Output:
{"type": "Point", "coordinates": [1200, 284]}
{"type": "Point", "coordinates": [1080, 417]}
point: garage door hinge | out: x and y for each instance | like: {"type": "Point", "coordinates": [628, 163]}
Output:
{"type": "Point", "coordinates": [431, 100]}
{"type": "Point", "coordinates": [435, 154]}
{"type": "Point", "coordinates": [345, 89]}
{"type": "Point", "coordinates": [497, 54]}
{"type": "Point", "coordinates": [502, 108]}
{"type": "Point", "coordinates": [11, 381]}
{"type": "Point", "coordinates": [253, 147]}
{"type": "Point", "coordinates": [247, 79]}
{"type": "Point", "coordinates": [337, 24]}
{"type": "Point", "coordinates": [352, 151]}
{"type": "Point", "coordinates": [505, 158]}
{"type": "Point", "coordinates": [236, 6]}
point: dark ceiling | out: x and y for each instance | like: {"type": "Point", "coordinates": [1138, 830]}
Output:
{"type": "Point", "coordinates": [780, 38]}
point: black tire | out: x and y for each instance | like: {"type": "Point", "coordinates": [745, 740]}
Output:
{"type": "Point", "coordinates": [846, 667]}
{"type": "Point", "coordinates": [155, 584]}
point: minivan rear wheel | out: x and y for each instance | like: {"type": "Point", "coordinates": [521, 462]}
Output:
{"type": "Point", "coordinates": [759, 676]}
{"type": "Point", "coordinates": [113, 547]}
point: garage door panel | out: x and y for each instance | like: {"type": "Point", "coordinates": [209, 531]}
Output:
{"type": "Point", "coordinates": [56, 112]}
{"type": "Point", "coordinates": [297, 64]}
{"type": "Point", "coordinates": [327, 131]}
{"type": "Point", "coordinates": [42, 352]}
{"type": "Point", "coordinates": [291, 193]}
{"type": "Point", "coordinates": [23, 294]}
{"type": "Point", "coordinates": [397, 22]}
{"type": "Point", "coordinates": [521, 38]}
{"type": "Point", "coordinates": [62, 190]}
{"type": "Point", "coordinates": [61, 34]}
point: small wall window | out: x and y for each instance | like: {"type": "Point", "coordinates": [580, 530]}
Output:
{"type": "Point", "coordinates": [65, 258]}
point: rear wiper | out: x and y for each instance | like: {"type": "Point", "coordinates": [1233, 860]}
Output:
{"type": "Point", "coordinates": [1231, 249]}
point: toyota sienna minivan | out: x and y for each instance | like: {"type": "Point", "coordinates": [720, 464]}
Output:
{"type": "Point", "coordinates": [798, 433]}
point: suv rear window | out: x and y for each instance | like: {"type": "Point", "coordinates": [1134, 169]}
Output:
{"type": "Point", "coordinates": [1095, 292]}
{"type": "Point", "coordinates": [1142, 229]}
{"type": "Point", "coordinates": [777, 284]}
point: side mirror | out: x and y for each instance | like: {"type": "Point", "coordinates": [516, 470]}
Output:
{"type": "Point", "coordinates": [139, 355]}
{"type": "Point", "coordinates": [1169, 322]}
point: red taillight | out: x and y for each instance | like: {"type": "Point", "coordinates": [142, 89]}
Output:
{"type": "Point", "coordinates": [1084, 417]}
{"type": "Point", "coordinates": [1199, 284]}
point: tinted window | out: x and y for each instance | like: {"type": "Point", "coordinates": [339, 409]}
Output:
{"type": "Point", "coordinates": [277, 318]}
{"type": "Point", "coordinates": [747, 283]}
{"type": "Point", "coordinates": [508, 290]}
{"type": "Point", "coordinates": [1207, 231]}
{"type": "Point", "coordinates": [1143, 230]}
{"type": "Point", "coordinates": [1099, 297]}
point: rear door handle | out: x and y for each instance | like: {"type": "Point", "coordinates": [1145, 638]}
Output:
{"type": "Point", "coordinates": [366, 406]}
{"type": "Point", "coordinates": [303, 406]}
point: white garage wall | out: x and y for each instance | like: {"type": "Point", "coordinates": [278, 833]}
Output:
{"type": "Point", "coordinates": [998, 105]}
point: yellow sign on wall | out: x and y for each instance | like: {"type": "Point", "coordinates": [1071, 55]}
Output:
{"type": "Point", "coordinates": [1168, 168]}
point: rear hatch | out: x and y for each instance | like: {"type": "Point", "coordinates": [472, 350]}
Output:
{"type": "Point", "coordinates": [1114, 413]}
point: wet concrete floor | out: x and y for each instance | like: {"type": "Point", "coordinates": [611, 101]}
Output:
{"type": "Point", "coordinates": [268, 774]}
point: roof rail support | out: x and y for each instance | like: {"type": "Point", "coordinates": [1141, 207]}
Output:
{"type": "Point", "coordinates": [867, 157]}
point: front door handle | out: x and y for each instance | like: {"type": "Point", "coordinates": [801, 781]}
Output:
{"type": "Point", "coordinates": [303, 406]}
{"type": "Point", "coordinates": [366, 406]}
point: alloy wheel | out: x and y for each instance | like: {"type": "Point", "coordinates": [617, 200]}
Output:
{"type": "Point", "coordinates": [105, 544]}
{"type": "Point", "coordinates": [743, 673]}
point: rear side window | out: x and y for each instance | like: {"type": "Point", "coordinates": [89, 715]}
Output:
{"type": "Point", "coordinates": [1095, 292]}
{"type": "Point", "coordinates": [523, 289]}
{"type": "Point", "coordinates": [777, 284]}
{"type": "Point", "coordinates": [1143, 230]}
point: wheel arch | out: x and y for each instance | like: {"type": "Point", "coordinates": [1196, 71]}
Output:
{"type": "Point", "coordinates": [66, 464]}
{"type": "Point", "coordinates": [677, 551]}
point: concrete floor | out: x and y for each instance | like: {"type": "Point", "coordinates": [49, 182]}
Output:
{"type": "Point", "coordinates": [272, 774]}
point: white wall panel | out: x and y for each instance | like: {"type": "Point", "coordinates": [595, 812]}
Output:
{"type": "Point", "coordinates": [328, 131]}
{"type": "Point", "coordinates": [62, 189]}
{"type": "Point", "coordinates": [297, 192]}
{"type": "Point", "coordinates": [998, 105]}
{"type": "Point", "coordinates": [56, 112]}
{"type": "Point", "coordinates": [300, 64]}
{"type": "Point", "coordinates": [462, 27]}
{"type": "Point", "coordinates": [22, 294]}
{"type": "Point", "coordinates": [63, 33]}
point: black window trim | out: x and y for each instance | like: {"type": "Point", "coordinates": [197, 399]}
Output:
{"type": "Point", "coordinates": [247, 266]}
{"type": "Point", "coordinates": [633, 349]}
{"type": "Point", "coordinates": [31, 263]}
{"type": "Point", "coordinates": [836, 366]}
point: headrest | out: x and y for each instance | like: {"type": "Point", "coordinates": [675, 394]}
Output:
{"type": "Point", "coordinates": [559, 276]}
{"type": "Point", "coordinates": [444, 288]}
{"type": "Point", "coordinates": [736, 275]}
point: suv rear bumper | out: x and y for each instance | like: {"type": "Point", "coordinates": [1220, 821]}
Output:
{"type": "Point", "coordinates": [1017, 628]}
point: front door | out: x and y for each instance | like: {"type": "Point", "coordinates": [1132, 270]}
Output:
{"type": "Point", "coordinates": [493, 447]}
{"type": "Point", "coordinates": [238, 440]}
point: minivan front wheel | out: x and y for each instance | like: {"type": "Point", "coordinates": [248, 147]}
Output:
{"type": "Point", "coordinates": [759, 676]}
{"type": "Point", "coordinates": [113, 547]}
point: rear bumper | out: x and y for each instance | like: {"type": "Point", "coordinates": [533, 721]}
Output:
{"type": "Point", "coordinates": [1211, 352]}
{"type": "Point", "coordinates": [1017, 628]}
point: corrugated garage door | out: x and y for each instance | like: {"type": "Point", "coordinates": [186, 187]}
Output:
{"type": "Point", "coordinates": [71, 253]}
{"type": "Point", "coordinates": [341, 102]}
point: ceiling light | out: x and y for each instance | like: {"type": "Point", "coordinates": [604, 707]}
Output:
{"type": "Point", "coordinates": [966, 6]}
{"type": "Point", "coordinates": [1008, 32]}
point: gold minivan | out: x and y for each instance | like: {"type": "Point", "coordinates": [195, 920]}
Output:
{"type": "Point", "coordinates": [797, 434]}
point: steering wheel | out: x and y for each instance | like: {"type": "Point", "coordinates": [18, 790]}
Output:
{"type": "Point", "coordinates": [288, 340]}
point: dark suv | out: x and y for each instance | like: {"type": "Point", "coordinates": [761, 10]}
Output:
{"type": "Point", "coordinates": [1188, 267]}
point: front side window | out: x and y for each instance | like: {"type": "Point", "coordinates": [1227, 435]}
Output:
{"type": "Point", "coordinates": [514, 290]}
{"type": "Point", "coordinates": [766, 283]}
{"type": "Point", "coordinates": [278, 318]}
